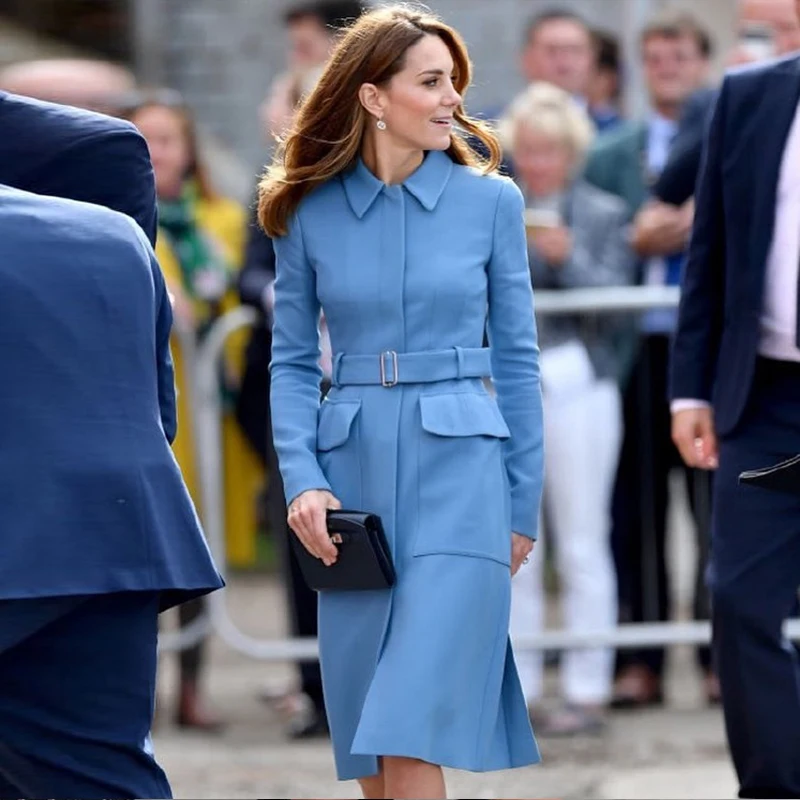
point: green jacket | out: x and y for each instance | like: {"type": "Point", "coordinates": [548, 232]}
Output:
{"type": "Point", "coordinates": [616, 164]}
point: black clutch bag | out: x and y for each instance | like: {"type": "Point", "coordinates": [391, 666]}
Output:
{"type": "Point", "coordinates": [783, 477]}
{"type": "Point", "coordinates": [364, 561]}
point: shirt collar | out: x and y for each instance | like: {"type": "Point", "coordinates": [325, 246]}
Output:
{"type": "Point", "coordinates": [426, 183]}
{"type": "Point", "coordinates": [661, 126]}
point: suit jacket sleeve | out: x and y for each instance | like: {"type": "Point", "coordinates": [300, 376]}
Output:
{"type": "Point", "coordinates": [295, 371]}
{"type": "Point", "coordinates": [515, 359]}
{"type": "Point", "coordinates": [676, 183]}
{"type": "Point", "coordinates": [163, 315]}
{"type": "Point", "coordinates": [258, 271]}
{"type": "Point", "coordinates": [701, 312]}
{"type": "Point", "coordinates": [166, 372]}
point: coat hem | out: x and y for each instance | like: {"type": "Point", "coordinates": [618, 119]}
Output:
{"type": "Point", "coordinates": [442, 761]}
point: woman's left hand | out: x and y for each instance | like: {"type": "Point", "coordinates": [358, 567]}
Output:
{"type": "Point", "coordinates": [521, 547]}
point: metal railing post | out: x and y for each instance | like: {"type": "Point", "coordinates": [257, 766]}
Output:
{"type": "Point", "coordinates": [207, 423]}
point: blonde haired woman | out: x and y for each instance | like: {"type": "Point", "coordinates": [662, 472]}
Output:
{"type": "Point", "coordinates": [576, 239]}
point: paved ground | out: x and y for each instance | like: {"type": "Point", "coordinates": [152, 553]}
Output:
{"type": "Point", "coordinates": [677, 753]}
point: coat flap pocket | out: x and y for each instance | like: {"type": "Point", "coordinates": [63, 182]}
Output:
{"type": "Point", "coordinates": [335, 421]}
{"type": "Point", "coordinates": [464, 414]}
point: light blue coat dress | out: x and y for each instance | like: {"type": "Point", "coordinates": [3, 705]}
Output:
{"type": "Point", "coordinates": [414, 272]}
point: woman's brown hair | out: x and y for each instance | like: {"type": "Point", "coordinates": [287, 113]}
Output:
{"type": "Point", "coordinates": [330, 123]}
{"type": "Point", "coordinates": [172, 102]}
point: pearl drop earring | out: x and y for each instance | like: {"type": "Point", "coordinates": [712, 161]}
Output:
{"type": "Point", "coordinates": [381, 125]}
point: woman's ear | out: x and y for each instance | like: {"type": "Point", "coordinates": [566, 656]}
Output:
{"type": "Point", "coordinates": [371, 98]}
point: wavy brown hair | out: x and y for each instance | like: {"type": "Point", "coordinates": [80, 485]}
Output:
{"type": "Point", "coordinates": [329, 125]}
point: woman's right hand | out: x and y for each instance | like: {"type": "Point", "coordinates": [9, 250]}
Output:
{"type": "Point", "coordinates": [307, 519]}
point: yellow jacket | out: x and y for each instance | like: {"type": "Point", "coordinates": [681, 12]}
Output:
{"type": "Point", "coordinates": [225, 221]}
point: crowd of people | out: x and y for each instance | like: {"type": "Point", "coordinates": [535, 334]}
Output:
{"type": "Point", "coordinates": [608, 199]}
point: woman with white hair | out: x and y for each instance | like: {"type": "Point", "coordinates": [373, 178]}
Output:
{"type": "Point", "coordinates": [576, 236]}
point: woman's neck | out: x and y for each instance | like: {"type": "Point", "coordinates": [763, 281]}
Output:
{"type": "Point", "coordinates": [389, 164]}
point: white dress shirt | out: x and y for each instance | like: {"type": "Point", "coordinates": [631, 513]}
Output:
{"type": "Point", "coordinates": [779, 306]}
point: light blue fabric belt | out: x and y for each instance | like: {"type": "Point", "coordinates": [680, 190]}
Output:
{"type": "Point", "coordinates": [390, 368]}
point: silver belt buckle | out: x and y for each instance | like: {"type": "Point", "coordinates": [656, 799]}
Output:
{"type": "Point", "coordinates": [392, 381]}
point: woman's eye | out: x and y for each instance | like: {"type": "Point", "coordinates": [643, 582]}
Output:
{"type": "Point", "coordinates": [432, 82]}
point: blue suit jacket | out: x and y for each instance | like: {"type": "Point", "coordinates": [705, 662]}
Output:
{"type": "Point", "coordinates": [676, 183]}
{"type": "Point", "coordinates": [91, 497]}
{"type": "Point", "coordinates": [68, 152]}
{"type": "Point", "coordinates": [723, 284]}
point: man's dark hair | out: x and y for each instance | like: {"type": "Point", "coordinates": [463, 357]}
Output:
{"type": "Point", "coordinates": [541, 19]}
{"type": "Point", "coordinates": [676, 26]}
{"type": "Point", "coordinates": [607, 52]}
{"type": "Point", "coordinates": [332, 14]}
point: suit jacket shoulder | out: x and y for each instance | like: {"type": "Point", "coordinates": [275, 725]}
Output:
{"type": "Point", "coordinates": [58, 150]}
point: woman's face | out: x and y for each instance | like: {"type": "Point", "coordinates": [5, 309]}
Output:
{"type": "Point", "coordinates": [419, 102]}
{"type": "Point", "coordinates": [543, 163]}
{"type": "Point", "coordinates": [169, 149]}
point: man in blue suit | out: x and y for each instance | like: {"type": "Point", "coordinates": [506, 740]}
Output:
{"type": "Point", "coordinates": [97, 531]}
{"type": "Point", "coordinates": [63, 151]}
{"type": "Point", "coordinates": [736, 405]}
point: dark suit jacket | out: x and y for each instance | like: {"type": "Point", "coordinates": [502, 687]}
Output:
{"type": "Point", "coordinates": [68, 152]}
{"type": "Point", "coordinates": [723, 284]}
{"type": "Point", "coordinates": [252, 407]}
{"type": "Point", "coordinates": [91, 497]}
{"type": "Point", "coordinates": [677, 180]}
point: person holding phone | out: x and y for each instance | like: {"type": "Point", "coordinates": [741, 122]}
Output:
{"type": "Point", "coordinates": [576, 238]}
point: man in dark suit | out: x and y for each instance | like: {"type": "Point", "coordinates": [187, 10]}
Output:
{"type": "Point", "coordinates": [63, 151]}
{"type": "Point", "coordinates": [735, 389]}
{"type": "Point", "coordinates": [97, 530]}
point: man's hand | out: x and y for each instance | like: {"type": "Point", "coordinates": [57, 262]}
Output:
{"type": "Point", "coordinates": [660, 229]}
{"type": "Point", "coordinates": [694, 436]}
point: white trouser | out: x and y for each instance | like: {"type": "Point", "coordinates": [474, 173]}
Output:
{"type": "Point", "coordinates": [583, 434]}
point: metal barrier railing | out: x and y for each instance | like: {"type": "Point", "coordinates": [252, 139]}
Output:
{"type": "Point", "coordinates": [200, 627]}
{"type": "Point", "coordinates": [206, 425]}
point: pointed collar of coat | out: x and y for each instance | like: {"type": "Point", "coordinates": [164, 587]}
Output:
{"type": "Point", "coordinates": [426, 183]}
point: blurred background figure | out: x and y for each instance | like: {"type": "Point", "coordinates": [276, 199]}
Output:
{"type": "Point", "coordinates": [627, 162]}
{"type": "Point", "coordinates": [86, 83]}
{"type": "Point", "coordinates": [604, 92]}
{"type": "Point", "coordinates": [200, 249]}
{"type": "Point", "coordinates": [561, 49]}
{"type": "Point", "coordinates": [765, 29]}
{"type": "Point", "coordinates": [312, 30]}
{"type": "Point", "coordinates": [576, 234]}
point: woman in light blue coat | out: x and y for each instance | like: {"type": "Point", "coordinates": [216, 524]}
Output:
{"type": "Point", "coordinates": [383, 219]}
